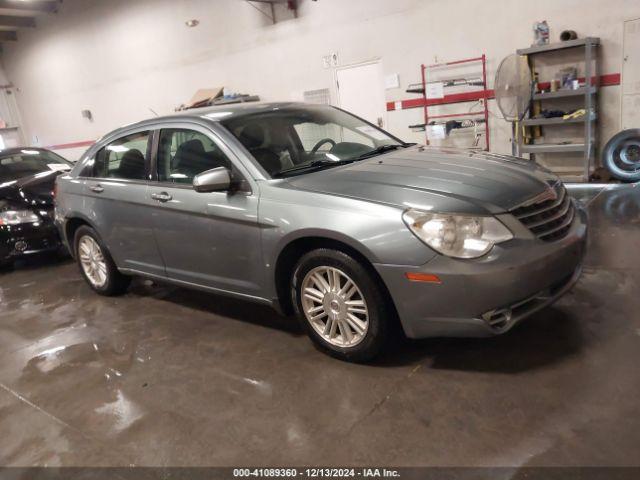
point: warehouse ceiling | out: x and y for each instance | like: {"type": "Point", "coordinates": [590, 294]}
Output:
{"type": "Point", "coordinates": [18, 14]}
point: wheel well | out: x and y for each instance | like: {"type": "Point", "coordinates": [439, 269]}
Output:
{"type": "Point", "coordinates": [290, 255]}
{"type": "Point", "coordinates": [70, 228]}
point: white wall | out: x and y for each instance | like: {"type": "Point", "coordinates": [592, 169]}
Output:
{"type": "Point", "coordinates": [123, 58]}
{"type": "Point", "coordinates": [10, 132]}
{"type": "Point", "coordinates": [3, 77]}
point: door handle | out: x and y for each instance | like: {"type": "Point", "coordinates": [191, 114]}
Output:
{"type": "Point", "coordinates": [161, 197]}
{"type": "Point", "coordinates": [97, 188]}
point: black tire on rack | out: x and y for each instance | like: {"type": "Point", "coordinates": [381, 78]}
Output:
{"type": "Point", "coordinates": [621, 155]}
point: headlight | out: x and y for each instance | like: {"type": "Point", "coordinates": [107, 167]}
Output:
{"type": "Point", "coordinates": [457, 236]}
{"type": "Point", "coordinates": [17, 217]}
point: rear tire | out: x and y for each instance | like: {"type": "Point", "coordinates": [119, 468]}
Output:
{"type": "Point", "coordinates": [96, 265]}
{"type": "Point", "coordinates": [341, 305]}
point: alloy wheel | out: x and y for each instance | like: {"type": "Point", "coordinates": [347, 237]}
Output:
{"type": "Point", "coordinates": [92, 261]}
{"type": "Point", "coordinates": [334, 306]}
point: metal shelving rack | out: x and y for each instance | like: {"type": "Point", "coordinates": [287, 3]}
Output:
{"type": "Point", "coordinates": [484, 112]}
{"type": "Point", "coordinates": [589, 93]}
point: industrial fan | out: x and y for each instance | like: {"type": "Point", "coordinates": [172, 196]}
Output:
{"type": "Point", "coordinates": [513, 88]}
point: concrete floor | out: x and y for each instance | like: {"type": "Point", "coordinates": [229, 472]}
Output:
{"type": "Point", "coordinates": [164, 376]}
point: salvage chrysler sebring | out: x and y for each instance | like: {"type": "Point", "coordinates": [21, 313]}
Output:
{"type": "Point", "coordinates": [319, 213]}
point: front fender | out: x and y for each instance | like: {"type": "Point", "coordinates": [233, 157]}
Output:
{"type": "Point", "coordinates": [323, 233]}
{"type": "Point", "coordinates": [374, 230]}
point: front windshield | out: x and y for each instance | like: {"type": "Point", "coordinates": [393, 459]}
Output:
{"type": "Point", "coordinates": [288, 139]}
{"type": "Point", "coordinates": [26, 162]}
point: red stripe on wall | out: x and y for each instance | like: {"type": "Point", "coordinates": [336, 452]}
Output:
{"type": "Point", "coordinates": [607, 80]}
{"type": "Point", "coordinates": [447, 99]}
{"type": "Point", "coordinates": [610, 79]}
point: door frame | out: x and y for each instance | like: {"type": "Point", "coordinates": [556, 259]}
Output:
{"type": "Point", "coordinates": [622, 52]}
{"type": "Point", "coordinates": [336, 83]}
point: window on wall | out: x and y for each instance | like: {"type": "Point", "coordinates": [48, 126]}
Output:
{"type": "Point", "coordinates": [124, 159]}
{"type": "Point", "coordinates": [320, 97]}
{"type": "Point", "coordinates": [183, 154]}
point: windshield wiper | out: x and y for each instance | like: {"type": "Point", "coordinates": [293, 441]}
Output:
{"type": "Point", "coordinates": [316, 164]}
{"type": "Point", "coordinates": [380, 150]}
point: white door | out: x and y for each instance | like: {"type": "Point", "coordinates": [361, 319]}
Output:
{"type": "Point", "coordinates": [631, 75]}
{"type": "Point", "coordinates": [361, 91]}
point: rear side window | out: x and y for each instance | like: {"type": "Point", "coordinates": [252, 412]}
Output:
{"type": "Point", "coordinates": [126, 158]}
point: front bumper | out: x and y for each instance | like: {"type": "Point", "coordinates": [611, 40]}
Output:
{"type": "Point", "coordinates": [28, 239]}
{"type": "Point", "coordinates": [487, 296]}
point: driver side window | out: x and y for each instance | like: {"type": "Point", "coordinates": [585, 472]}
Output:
{"type": "Point", "coordinates": [183, 154]}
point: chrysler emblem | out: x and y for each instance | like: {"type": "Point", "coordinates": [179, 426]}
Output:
{"type": "Point", "coordinates": [549, 194]}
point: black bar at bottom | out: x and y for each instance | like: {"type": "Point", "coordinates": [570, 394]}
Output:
{"type": "Point", "coordinates": [373, 472]}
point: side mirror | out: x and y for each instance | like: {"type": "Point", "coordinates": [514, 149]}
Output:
{"type": "Point", "coordinates": [214, 180]}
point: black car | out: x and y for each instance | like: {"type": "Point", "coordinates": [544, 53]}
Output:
{"type": "Point", "coordinates": [27, 181]}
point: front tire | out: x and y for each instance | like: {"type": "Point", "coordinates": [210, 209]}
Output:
{"type": "Point", "coordinates": [96, 265]}
{"type": "Point", "coordinates": [341, 305]}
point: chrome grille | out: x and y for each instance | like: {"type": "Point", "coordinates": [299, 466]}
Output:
{"type": "Point", "coordinates": [550, 219]}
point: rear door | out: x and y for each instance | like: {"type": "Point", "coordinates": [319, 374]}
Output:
{"type": "Point", "coordinates": [208, 239]}
{"type": "Point", "coordinates": [118, 203]}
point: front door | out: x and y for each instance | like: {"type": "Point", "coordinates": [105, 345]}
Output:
{"type": "Point", "coordinates": [206, 239]}
{"type": "Point", "coordinates": [116, 194]}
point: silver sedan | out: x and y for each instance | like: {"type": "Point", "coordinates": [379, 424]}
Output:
{"type": "Point", "coordinates": [320, 214]}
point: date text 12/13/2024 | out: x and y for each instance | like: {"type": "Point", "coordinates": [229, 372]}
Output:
{"type": "Point", "coordinates": [315, 473]}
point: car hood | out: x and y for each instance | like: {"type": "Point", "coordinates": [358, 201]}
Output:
{"type": "Point", "coordinates": [434, 178]}
{"type": "Point", "coordinates": [33, 191]}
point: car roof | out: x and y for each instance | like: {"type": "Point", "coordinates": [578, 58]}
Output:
{"type": "Point", "coordinates": [215, 113]}
{"type": "Point", "coordinates": [212, 114]}
{"type": "Point", "coordinates": [238, 109]}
